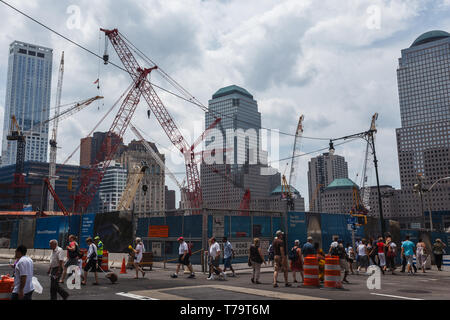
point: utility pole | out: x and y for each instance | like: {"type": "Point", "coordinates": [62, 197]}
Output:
{"type": "Point", "coordinates": [369, 137]}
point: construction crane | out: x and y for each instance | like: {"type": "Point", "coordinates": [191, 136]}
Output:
{"type": "Point", "coordinates": [358, 210]}
{"type": "Point", "coordinates": [144, 88]}
{"type": "Point", "coordinates": [295, 161]}
{"type": "Point", "coordinates": [286, 191]}
{"type": "Point", "coordinates": [244, 206]}
{"type": "Point", "coordinates": [18, 185]}
{"type": "Point", "coordinates": [134, 179]}
{"type": "Point", "coordinates": [161, 163]}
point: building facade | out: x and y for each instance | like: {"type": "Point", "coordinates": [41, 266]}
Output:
{"type": "Point", "coordinates": [423, 140]}
{"type": "Point", "coordinates": [322, 171]}
{"type": "Point", "coordinates": [92, 149]}
{"type": "Point", "coordinates": [28, 94]}
{"type": "Point", "coordinates": [111, 188]}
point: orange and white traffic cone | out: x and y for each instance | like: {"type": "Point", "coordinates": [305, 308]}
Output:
{"type": "Point", "coordinates": [124, 267]}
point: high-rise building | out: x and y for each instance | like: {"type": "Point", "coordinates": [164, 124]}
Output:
{"type": "Point", "coordinates": [28, 93]}
{"type": "Point", "coordinates": [322, 171]}
{"type": "Point", "coordinates": [111, 188]}
{"type": "Point", "coordinates": [237, 139]}
{"type": "Point", "coordinates": [91, 147]}
{"type": "Point", "coordinates": [423, 141]}
{"type": "Point", "coordinates": [170, 199]}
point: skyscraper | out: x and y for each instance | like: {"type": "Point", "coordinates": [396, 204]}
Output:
{"type": "Point", "coordinates": [322, 171]}
{"type": "Point", "coordinates": [423, 141]}
{"type": "Point", "coordinates": [28, 92]}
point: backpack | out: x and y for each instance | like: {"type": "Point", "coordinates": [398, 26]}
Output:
{"type": "Point", "coordinates": [189, 249]}
{"type": "Point", "coordinates": [271, 253]}
{"type": "Point", "coordinates": [335, 251]}
{"type": "Point", "coordinates": [293, 254]}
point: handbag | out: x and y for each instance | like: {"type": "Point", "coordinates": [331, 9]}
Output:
{"type": "Point", "coordinates": [249, 262]}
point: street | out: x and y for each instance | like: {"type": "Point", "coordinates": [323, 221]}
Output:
{"type": "Point", "coordinates": [158, 285]}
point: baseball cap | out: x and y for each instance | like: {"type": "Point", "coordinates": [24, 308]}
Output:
{"type": "Point", "coordinates": [180, 238]}
{"type": "Point", "coordinates": [310, 238]}
{"type": "Point", "coordinates": [97, 238]}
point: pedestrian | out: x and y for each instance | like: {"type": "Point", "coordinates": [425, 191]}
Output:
{"type": "Point", "coordinates": [308, 248]}
{"type": "Point", "coordinates": [342, 254]}
{"type": "Point", "coordinates": [333, 246]}
{"type": "Point", "coordinates": [438, 251]}
{"type": "Point", "coordinates": [23, 276]}
{"type": "Point", "coordinates": [280, 260]}
{"type": "Point", "coordinates": [391, 254]}
{"type": "Point", "coordinates": [408, 251]}
{"type": "Point", "coordinates": [138, 253]}
{"type": "Point", "coordinates": [350, 256]}
{"type": "Point", "coordinates": [296, 261]}
{"type": "Point", "coordinates": [99, 246]}
{"type": "Point", "coordinates": [228, 255]}
{"type": "Point", "coordinates": [256, 259]}
{"type": "Point", "coordinates": [183, 258]}
{"type": "Point", "coordinates": [214, 265]}
{"type": "Point", "coordinates": [91, 261]}
{"type": "Point", "coordinates": [271, 254]}
{"type": "Point", "coordinates": [381, 247]}
{"type": "Point", "coordinates": [363, 257]}
{"type": "Point", "coordinates": [371, 251]}
{"type": "Point", "coordinates": [55, 270]}
{"type": "Point", "coordinates": [73, 255]}
{"type": "Point", "coordinates": [421, 255]}
{"type": "Point", "coordinates": [321, 259]}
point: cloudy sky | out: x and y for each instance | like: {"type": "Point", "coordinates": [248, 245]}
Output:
{"type": "Point", "coordinates": [333, 61]}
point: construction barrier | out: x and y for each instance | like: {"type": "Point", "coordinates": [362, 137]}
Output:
{"type": "Point", "coordinates": [6, 287]}
{"type": "Point", "coordinates": [332, 273]}
{"type": "Point", "coordinates": [84, 252]}
{"type": "Point", "coordinates": [105, 263]}
{"type": "Point", "coordinates": [311, 269]}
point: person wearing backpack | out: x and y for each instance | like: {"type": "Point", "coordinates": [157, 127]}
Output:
{"type": "Point", "coordinates": [295, 255]}
{"type": "Point", "coordinates": [91, 261]}
{"type": "Point", "coordinates": [342, 254]}
{"type": "Point", "coordinates": [73, 254]}
{"type": "Point", "coordinates": [271, 254]}
{"type": "Point", "coordinates": [333, 247]}
{"type": "Point", "coordinates": [391, 254]}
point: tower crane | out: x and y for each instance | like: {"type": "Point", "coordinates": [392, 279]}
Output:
{"type": "Point", "coordinates": [145, 89]}
{"type": "Point", "coordinates": [295, 162]}
{"type": "Point", "coordinates": [133, 181]}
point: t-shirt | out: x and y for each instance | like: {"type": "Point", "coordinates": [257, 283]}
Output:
{"type": "Point", "coordinates": [24, 267]}
{"type": "Point", "coordinates": [277, 245]}
{"type": "Point", "coordinates": [56, 256]}
{"type": "Point", "coordinates": [72, 244]}
{"type": "Point", "coordinates": [393, 247]}
{"type": "Point", "coordinates": [334, 244]}
{"type": "Point", "coordinates": [214, 249]}
{"type": "Point", "coordinates": [183, 247]}
{"type": "Point", "coordinates": [227, 250]}
{"type": "Point", "coordinates": [362, 250]}
{"type": "Point", "coordinates": [408, 247]}
{"type": "Point", "coordinates": [380, 246]}
{"type": "Point", "coordinates": [139, 249]}
{"type": "Point", "coordinates": [92, 252]}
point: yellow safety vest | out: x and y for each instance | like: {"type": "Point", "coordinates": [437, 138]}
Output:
{"type": "Point", "coordinates": [100, 249]}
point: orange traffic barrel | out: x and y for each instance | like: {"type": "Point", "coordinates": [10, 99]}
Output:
{"type": "Point", "coordinates": [6, 287]}
{"type": "Point", "coordinates": [105, 265]}
{"type": "Point", "coordinates": [84, 258]}
{"type": "Point", "coordinates": [311, 271]}
{"type": "Point", "coordinates": [332, 273]}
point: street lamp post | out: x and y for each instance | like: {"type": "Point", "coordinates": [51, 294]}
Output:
{"type": "Point", "coordinates": [429, 196]}
{"type": "Point", "coordinates": [369, 137]}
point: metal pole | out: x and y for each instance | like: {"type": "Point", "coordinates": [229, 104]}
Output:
{"type": "Point", "coordinates": [429, 210]}
{"type": "Point", "coordinates": [380, 202]}
{"type": "Point", "coordinates": [421, 205]}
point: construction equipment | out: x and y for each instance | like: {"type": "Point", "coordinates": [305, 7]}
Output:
{"type": "Point", "coordinates": [295, 161]}
{"type": "Point", "coordinates": [161, 163]}
{"type": "Point", "coordinates": [144, 88]}
{"type": "Point", "coordinates": [134, 179]}
{"type": "Point", "coordinates": [315, 195]}
{"type": "Point", "coordinates": [286, 191]}
{"type": "Point", "coordinates": [244, 206]}
{"type": "Point", "coordinates": [18, 184]}
{"type": "Point", "coordinates": [358, 210]}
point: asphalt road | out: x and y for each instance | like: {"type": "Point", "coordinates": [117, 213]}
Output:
{"type": "Point", "coordinates": [157, 285]}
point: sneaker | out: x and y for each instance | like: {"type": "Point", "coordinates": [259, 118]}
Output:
{"type": "Point", "coordinates": [224, 276]}
{"type": "Point", "coordinates": [275, 285]}
{"type": "Point", "coordinates": [288, 285]}
{"type": "Point", "coordinates": [253, 280]}
{"type": "Point", "coordinates": [212, 277]}
{"type": "Point", "coordinates": [257, 282]}
{"type": "Point", "coordinates": [192, 276]}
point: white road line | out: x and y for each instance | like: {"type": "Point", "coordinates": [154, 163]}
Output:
{"type": "Point", "coordinates": [391, 296]}
{"type": "Point", "coordinates": [134, 296]}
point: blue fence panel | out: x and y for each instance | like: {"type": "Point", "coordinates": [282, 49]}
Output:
{"type": "Point", "coordinates": [261, 227]}
{"type": "Point", "coordinates": [193, 226]}
{"type": "Point", "coordinates": [277, 224]}
{"type": "Point", "coordinates": [87, 229]}
{"type": "Point", "coordinates": [240, 227]}
{"type": "Point", "coordinates": [142, 227]}
{"type": "Point", "coordinates": [14, 235]}
{"type": "Point", "coordinates": [157, 222]}
{"type": "Point", "coordinates": [46, 229]}
{"type": "Point", "coordinates": [175, 226]}
{"type": "Point", "coordinates": [297, 228]}
{"type": "Point", "coordinates": [227, 226]}
{"type": "Point", "coordinates": [334, 225]}
{"type": "Point", "coordinates": [210, 226]}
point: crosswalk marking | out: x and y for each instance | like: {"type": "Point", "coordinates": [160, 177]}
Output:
{"type": "Point", "coordinates": [134, 296]}
{"type": "Point", "coordinates": [391, 296]}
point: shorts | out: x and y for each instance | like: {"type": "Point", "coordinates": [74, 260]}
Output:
{"type": "Point", "coordinates": [184, 261]}
{"type": "Point", "coordinates": [227, 262]}
{"type": "Point", "coordinates": [279, 265]}
{"type": "Point", "coordinates": [91, 266]}
{"type": "Point", "coordinates": [409, 260]}
{"type": "Point", "coordinates": [363, 261]}
{"type": "Point", "coordinates": [71, 262]}
{"type": "Point", "coordinates": [137, 260]}
{"type": "Point", "coordinates": [215, 262]}
{"type": "Point", "coordinates": [344, 265]}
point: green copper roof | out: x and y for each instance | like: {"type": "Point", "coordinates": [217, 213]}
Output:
{"type": "Point", "coordinates": [277, 190]}
{"type": "Point", "coordinates": [230, 90]}
{"type": "Point", "coordinates": [430, 36]}
{"type": "Point", "coordinates": [341, 183]}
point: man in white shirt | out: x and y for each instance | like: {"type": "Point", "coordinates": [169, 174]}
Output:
{"type": "Point", "coordinates": [214, 254]}
{"type": "Point", "coordinates": [55, 270]}
{"type": "Point", "coordinates": [23, 276]}
{"type": "Point", "coordinates": [91, 263]}
{"type": "Point", "coordinates": [183, 258]}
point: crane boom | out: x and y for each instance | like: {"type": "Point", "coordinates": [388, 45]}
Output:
{"type": "Point", "coordinates": [155, 104]}
{"type": "Point", "coordinates": [295, 161]}
{"type": "Point", "coordinates": [134, 179]}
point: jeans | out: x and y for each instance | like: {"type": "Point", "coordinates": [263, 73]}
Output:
{"type": "Point", "coordinates": [256, 270]}
{"type": "Point", "coordinates": [55, 288]}
{"type": "Point", "coordinates": [27, 296]}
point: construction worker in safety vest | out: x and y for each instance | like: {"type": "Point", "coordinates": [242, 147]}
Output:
{"type": "Point", "coordinates": [99, 245]}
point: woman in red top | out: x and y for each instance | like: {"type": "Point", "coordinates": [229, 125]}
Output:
{"type": "Point", "coordinates": [297, 266]}
{"type": "Point", "coordinates": [381, 255]}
